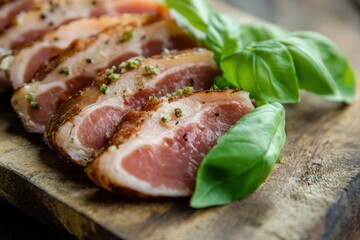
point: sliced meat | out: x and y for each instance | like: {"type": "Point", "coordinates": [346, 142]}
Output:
{"type": "Point", "coordinates": [156, 151]}
{"type": "Point", "coordinates": [77, 66]}
{"type": "Point", "coordinates": [84, 123]}
{"type": "Point", "coordinates": [27, 61]}
{"type": "Point", "coordinates": [49, 15]}
{"type": "Point", "coordinates": [9, 9]}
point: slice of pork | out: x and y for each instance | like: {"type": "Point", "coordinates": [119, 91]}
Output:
{"type": "Point", "coordinates": [9, 9]}
{"type": "Point", "coordinates": [157, 151]}
{"type": "Point", "coordinates": [77, 66]}
{"type": "Point", "coordinates": [27, 61]}
{"type": "Point", "coordinates": [32, 24]}
{"type": "Point", "coordinates": [84, 124]}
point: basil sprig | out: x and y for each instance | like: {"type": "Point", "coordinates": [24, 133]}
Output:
{"type": "Point", "coordinates": [275, 70]}
{"type": "Point", "coordinates": [270, 63]}
{"type": "Point", "coordinates": [273, 65]}
{"type": "Point", "coordinates": [242, 159]}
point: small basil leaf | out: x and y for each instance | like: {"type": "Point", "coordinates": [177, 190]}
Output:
{"type": "Point", "coordinates": [223, 36]}
{"type": "Point", "coordinates": [257, 32]}
{"type": "Point", "coordinates": [196, 12]}
{"type": "Point", "coordinates": [321, 67]}
{"type": "Point", "coordinates": [264, 69]}
{"type": "Point", "coordinates": [242, 159]}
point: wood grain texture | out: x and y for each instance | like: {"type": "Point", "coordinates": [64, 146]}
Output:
{"type": "Point", "coordinates": [314, 193]}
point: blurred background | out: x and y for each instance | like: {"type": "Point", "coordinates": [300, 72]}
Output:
{"type": "Point", "coordinates": [305, 14]}
{"type": "Point", "coordinates": [338, 19]}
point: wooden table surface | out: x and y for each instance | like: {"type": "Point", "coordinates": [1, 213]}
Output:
{"type": "Point", "coordinates": [318, 180]}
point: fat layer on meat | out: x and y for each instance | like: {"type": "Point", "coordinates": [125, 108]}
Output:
{"type": "Point", "coordinates": [156, 151]}
{"type": "Point", "coordinates": [84, 123]}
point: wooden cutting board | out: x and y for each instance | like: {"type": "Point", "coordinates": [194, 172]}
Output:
{"type": "Point", "coordinates": [314, 193]}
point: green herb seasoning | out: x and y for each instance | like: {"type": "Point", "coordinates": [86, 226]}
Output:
{"type": "Point", "coordinates": [122, 67]}
{"type": "Point", "coordinates": [132, 63]}
{"type": "Point", "coordinates": [64, 71]}
{"type": "Point", "coordinates": [179, 92]}
{"type": "Point", "coordinates": [135, 62]}
{"type": "Point", "coordinates": [151, 70]}
{"type": "Point", "coordinates": [31, 101]}
{"type": "Point", "coordinates": [178, 112]}
{"type": "Point", "coordinates": [164, 119]}
{"type": "Point", "coordinates": [111, 75]}
{"type": "Point", "coordinates": [127, 35]}
{"type": "Point", "coordinates": [104, 88]}
{"type": "Point", "coordinates": [166, 52]}
{"type": "Point", "coordinates": [171, 96]}
{"type": "Point", "coordinates": [188, 90]}
{"type": "Point", "coordinates": [152, 99]}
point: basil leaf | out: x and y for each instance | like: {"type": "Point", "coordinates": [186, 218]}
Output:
{"type": "Point", "coordinates": [321, 67]}
{"type": "Point", "coordinates": [257, 32]}
{"type": "Point", "coordinates": [223, 36]}
{"type": "Point", "coordinates": [264, 69]}
{"type": "Point", "coordinates": [226, 37]}
{"type": "Point", "coordinates": [242, 159]}
{"type": "Point", "coordinates": [196, 12]}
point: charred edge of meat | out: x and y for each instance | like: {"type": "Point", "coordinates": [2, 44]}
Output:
{"type": "Point", "coordinates": [70, 108]}
{"type": "Point", "coordinates": [131, 123]}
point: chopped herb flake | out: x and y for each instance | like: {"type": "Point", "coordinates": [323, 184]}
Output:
{"type": "Point", "coordinates": [178, 112]}
{"type": "Point", "coordinates": [166, 52]}
{"type": "Point", "coordinates": [188, 90]}
{"type": "Point", "coordinates": [135, 62]}
{"type": "Point", "coordinates": [179, 92]}
{"type": "Point", "coordinates": [64, 71]}
{"type": "Point", "coordinates": [152, 99]}
{"type": "Point", "coordinates": [31, 101]}
{"type": "Point", "coordinates": [127, 35]}
{"type": "Point", "coordinates": [111, 75]}
{"type": "Point", "coordinates": [131, 63]}
{"type": "Point", "coordinates": [171, 96]}
{"type": "Point", "coordinates": [164, 119]}
{"type": "Point", "coordinates": [104, 88]}
{"type": "Point", "coordinates": [151, 70]}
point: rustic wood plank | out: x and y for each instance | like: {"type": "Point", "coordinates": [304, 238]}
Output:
{"type": "Point", "coordinates": [314, 193]}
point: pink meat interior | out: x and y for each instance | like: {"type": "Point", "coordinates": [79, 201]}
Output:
{"type": "Point", "coordinates": [173, 161]}
{"type": "Point", "coordinates": [203, 77]}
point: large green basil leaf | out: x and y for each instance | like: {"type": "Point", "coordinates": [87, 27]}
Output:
{"type": "Point", "coordinates": [266, 70]}
{"type": "Point", "coordinates": [321, 67]}
{"type": "Point", "coordinates": [196, 12]}
{"type": "Point", "coordinates": [242, 159]}
{"type": "Point", "coordinates": [223, 36]}
{"type": "Point", "coordinates": [256, 32]}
